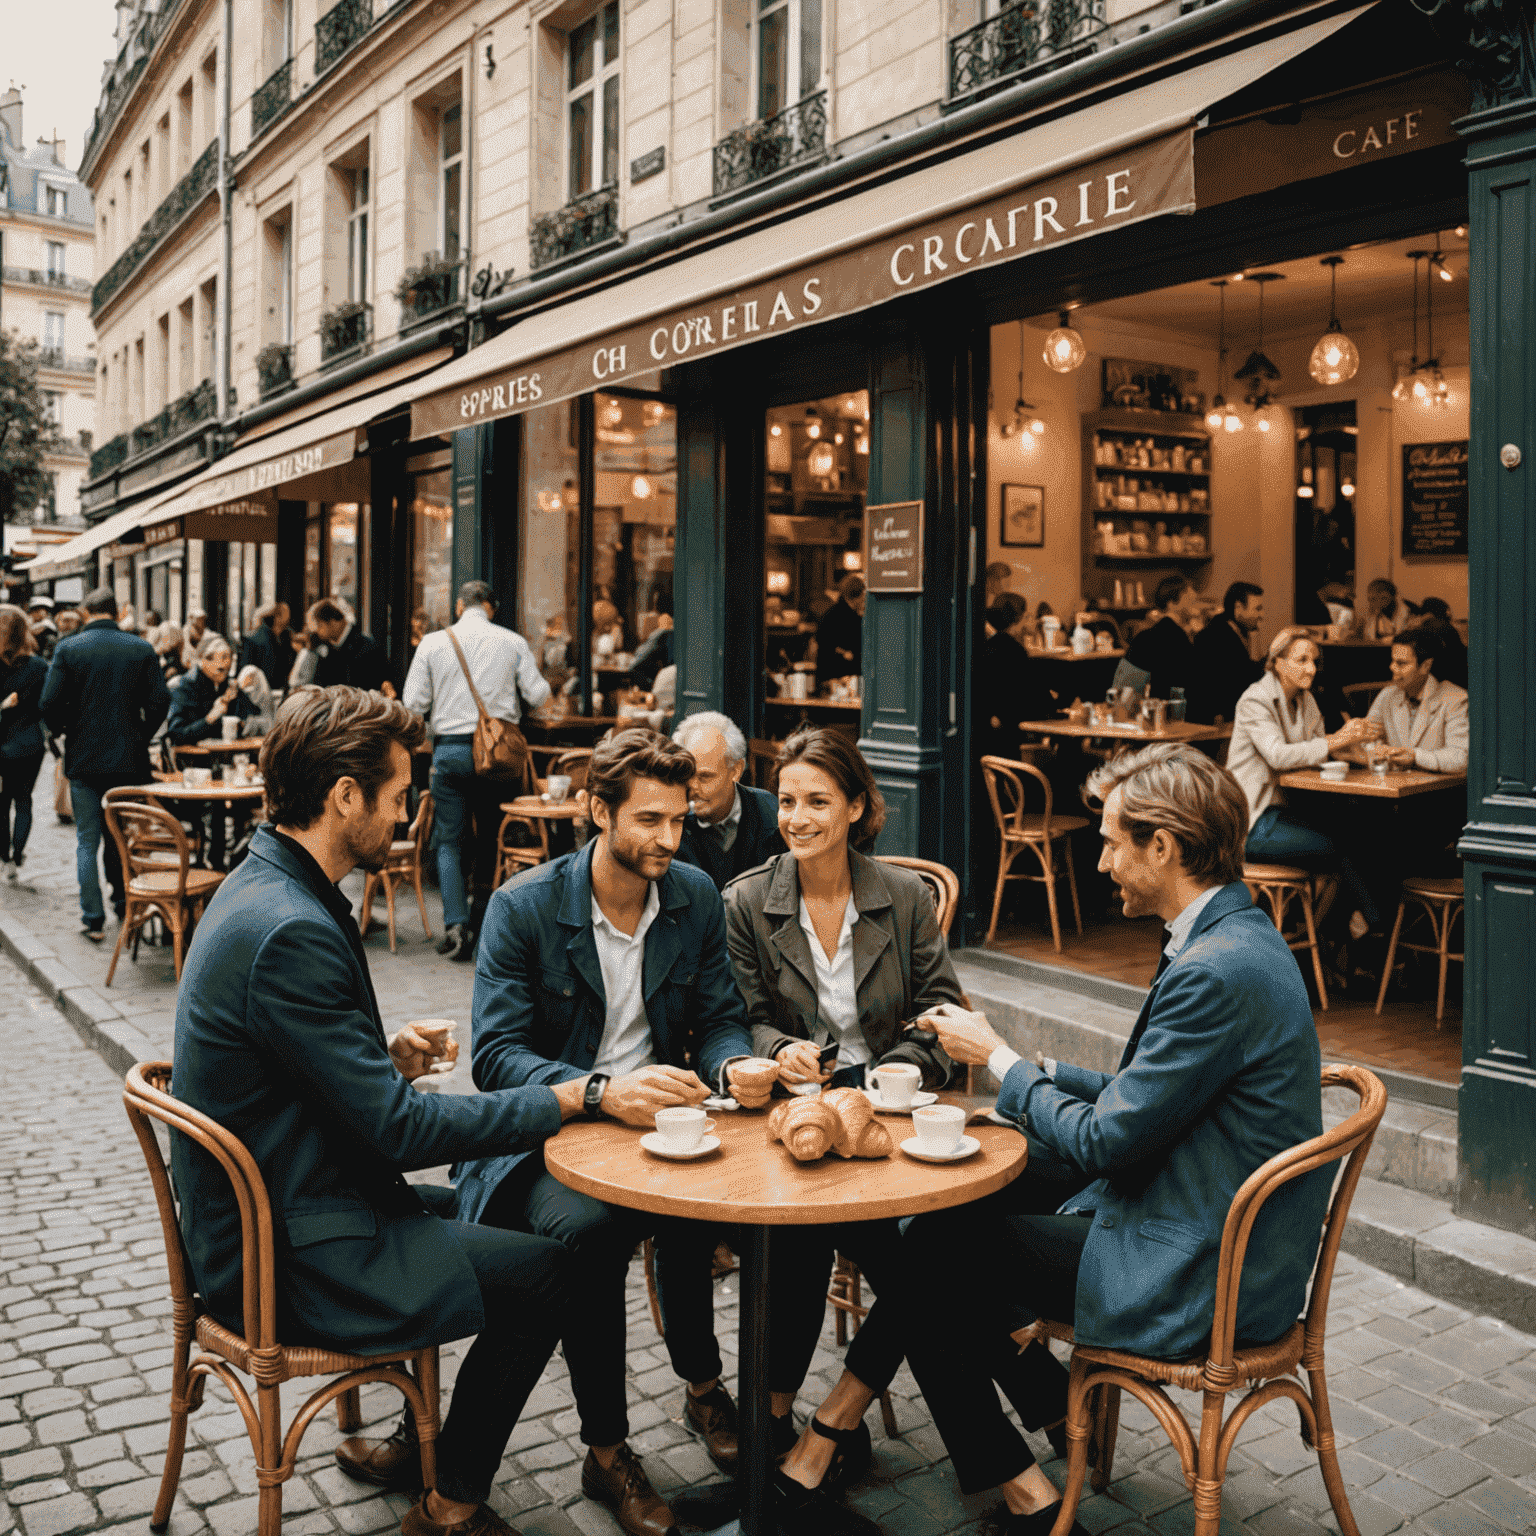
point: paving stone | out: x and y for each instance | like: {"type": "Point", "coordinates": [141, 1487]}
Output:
{"type": "Point", "coordinates": [40, 1463]}
{"type": "Point", "coordinates": [1446, 1472]}
{"type": "Point", "coordinates": [57, 1517]}
{"type": "Point", "coordinates": [1505, 1453]}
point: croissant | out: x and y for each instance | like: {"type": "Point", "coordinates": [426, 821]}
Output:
{"type": "Point", "coordinates": [841, 1121]}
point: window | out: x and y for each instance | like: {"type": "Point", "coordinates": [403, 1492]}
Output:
{"type": "Point", "coordinates": [57, 206]}
{"type": "Point", "coordinates": [450, 201]}
{"type": "Point", "coordinates": [55, 257]}
{"type": "Point", "coordinates": [787, 57]}
{"type": "Point", "coordinates": [592, 103]}
{"type": "Point", "coordinates": [53, 331]}
{"type": "Point", "coordinates": [51, 399]}
{"type": "Point", "coordinates": [357, 232]}
{"type": "Point", "coordinates": [277, 321]}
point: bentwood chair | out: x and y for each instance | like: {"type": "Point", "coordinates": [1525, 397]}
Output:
{"type": "Point", "coordinates": [1265, 1370]}
{"type": "Point", "coordinates": [1023, 831]}
{"type": "Point", "coordinates": [1280, 885]}
{"type": "Point", "coordinates": [763, 763]}
{"type": "Point", "coordinates": [255, 1349]}
{"type": "Point", "coordinates": [1358, 697]}
{"type": "Point", "coordinates": [403, 864]}
{"type": "Point", "coordinates": [1443, 902]}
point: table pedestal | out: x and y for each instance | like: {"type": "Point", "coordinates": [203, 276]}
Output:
{"type": "Point", "coordinates": [755, 1466]}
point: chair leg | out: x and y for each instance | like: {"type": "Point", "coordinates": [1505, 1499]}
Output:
{"type": "Point", "coordinates": [186, 1394]}
{"type": "Point", "coordinates": [1446, 919]}
{"type": "Point", "coordinates": [1386, 974]}
{"type": "Point", "coordinates": [122, 933]}
{"type": "Point", "coordinates": [389, 905]}
{"type": "Point", "coordinates": [888, 1416]}
{"type": "Point", "coordinates": [1109, 1431]}
{"type": "Point", "coordinates": [349, 1412]}
{"type": "Point", "coordinates": [1078, 1429]}
{"type": "Point", "coordinates": [1003, 862]}
{"type": "Point", "coordinates": [421, 901]}
{"type": "Point", "coordinates": [269, 1456]}
{"type": "Point", "coordinates": [1210, 1474]}
{"type": "Point", "coordinates": [365, 917]}
{"type": "Point", "coordinates": [648, 1260]}
{"type": "Point", "coordinates": [1077, 911]}
{"type": "Point", "coordinates": [1317, 955]}
{"type": "Point", "coordinates": [1327, 1454]}
{"type": "Point", "coordinates": [176, 941]}
{"type": "Point", "coordinates": [1050, 894]}
{"type": "Point", "coordinates": [428, 1378]}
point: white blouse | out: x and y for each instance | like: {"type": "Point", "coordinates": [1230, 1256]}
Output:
{"type": "Point", "coordinates": [837, 1003]}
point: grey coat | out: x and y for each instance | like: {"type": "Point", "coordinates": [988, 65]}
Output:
{"type": "Point", "coordinates": [900, 960]}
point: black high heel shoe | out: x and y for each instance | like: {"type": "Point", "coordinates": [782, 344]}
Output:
{"type": "Point", "coordinates": [851, 1460]}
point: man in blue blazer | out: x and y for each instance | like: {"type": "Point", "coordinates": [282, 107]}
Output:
{"type": "Point", "coordinates": [731, 827]}
{"type": "Point", "coordinates": [1222, 1071]}
{"type": "Point", "coordinates": [279, 1039]}
{"type": "Point", "coordinates": [106, 696]}
{"type": "Point", "coordinates": [609, 967]}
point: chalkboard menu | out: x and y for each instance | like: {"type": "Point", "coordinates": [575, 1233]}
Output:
{"type": "Point", "coordinates": [1435, 499]}
{"type": "Point", "coordinates": [893, 547]}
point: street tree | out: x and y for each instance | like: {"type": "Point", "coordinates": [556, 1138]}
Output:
{"type": "Point", "coordinates": [26, 432]}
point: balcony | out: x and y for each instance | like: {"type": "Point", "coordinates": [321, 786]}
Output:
{"type": "Point", "coordinates": [197, 405]}
{"type": "Point", "coordinates": [585, 222]}
{"type": "Point", "coordinates": [274, 369]}
{"type": "Point", "coordinates": [759, 150]}
{"type": "Point", "coordinates": [57, 359]}
{"type": "Point", "coordinates": [58, 281]}
{"type": "Point", "coordinates": [272, 98]}
{"type": "Point", "coordinates": [109, 456]}
{"type": "Point", "coordinates": [344, 332]}
{"type": "Point", "coordinates": [437, 284]}
{"type": "Point", "coordinates": [338, 29]}
{"type": "Point", "coordinates": [185, 196]}
{"type": "Point", "coordinates": [1029, 36]}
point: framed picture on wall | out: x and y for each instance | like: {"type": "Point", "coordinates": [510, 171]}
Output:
{"type": "Point", "coordinates": [1023, 516]}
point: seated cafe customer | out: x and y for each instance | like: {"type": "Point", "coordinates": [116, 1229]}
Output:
{"type": "Point", "coordinates": [1164, 650]}
{"type": "Point", "coordinates": [731, 827]}
{"type": "Point", "coordinates": [279, 1038]}
{"type": "Point", "coordinates": [1223, 666]}
{"type": "Point", "coordinates": [1009, 684]}
{"type": "Point", "coordinates": [1116, 1224]}
{"type": "Point", "coordinates": [201, 700]}
{"type": "Point", "coordinates": [1279, 728]}
{"type": "Point", "coordinates": [1423, 720]}
{"type": "Point", "coordinates": [599, 972]}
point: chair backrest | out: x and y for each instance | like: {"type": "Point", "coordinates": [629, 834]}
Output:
{"type": "Point", "coordinates": [763, 763]}
{"type": "Point", "coordinates": [1349, 1139]}
{"type": "Point", "coordinates": [140, 830]}
{"type": "Point", "coordinates": [1005, 779]}
{"type": "Point", "coordinates": [1360, 696]}
{"type": "Point", "coordinates": [942, 882]}
{"type": "Point", "coordinates": [421, 828]}
{"type": "Point", "coordinates": [147, 1096]}
{"type": "Point", "coordinates": [574, 763]}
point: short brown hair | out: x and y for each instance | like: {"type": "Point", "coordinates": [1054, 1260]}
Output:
{"type": "Point", "coordinates": [15, 635]}
{"type": "Point", "coordinates": [637, 753]}
{"type": "Point", "coordinates": [1186, 794]}
{"type": "Point", "coordinates": [842, 762]}
{"type": "Point", "coordinates": [321, 735]}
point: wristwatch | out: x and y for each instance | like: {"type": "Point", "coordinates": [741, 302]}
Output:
{"type": "Point", "coordinates": [592, 1099]}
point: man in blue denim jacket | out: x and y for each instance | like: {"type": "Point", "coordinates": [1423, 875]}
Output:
{"type": "Point", "coordinates": [610, 965]}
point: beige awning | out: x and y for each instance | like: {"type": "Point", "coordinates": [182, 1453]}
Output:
{"type": "Point", "coordinates": [66, 559]}
{"type": "Point", "coordinates": [1121, 161]}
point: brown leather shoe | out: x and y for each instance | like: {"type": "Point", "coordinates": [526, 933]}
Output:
{"type": "Point", "coordinates": [394, 1463]}
{"type": "Point", "coordinates": [484, 1522]}
{"type": "Point", "coordinates": [627, 1491]}
{"type": "Point", "coordinates": [712, 1417]}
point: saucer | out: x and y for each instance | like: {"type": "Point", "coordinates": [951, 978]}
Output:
{"type": "Point", "coordinates": [714, 1101]}
{"type": "Point", "coordinates": [652, 1142]}
{"type": "Point", "coordinates": [914, 1148]}
{"type": "Point", "coordinates": [919, 1100]}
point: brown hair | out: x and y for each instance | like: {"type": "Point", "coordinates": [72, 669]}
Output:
{"type": "Point", "coordinates": [15, 635]}
{"type": "Point", "coordinates": [637, 753]}
{"type": "Point", "coordinates": [1189, 796]}
{"type": "Point", "coordinates": [836, 756]}
{"type": "Point", "coordinates": [321, 735]}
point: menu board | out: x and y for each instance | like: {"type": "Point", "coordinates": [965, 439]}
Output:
{"type": "Point", "coordinates": [893, 547]}
{"type": "Point", "coordinates": [1435, 499]}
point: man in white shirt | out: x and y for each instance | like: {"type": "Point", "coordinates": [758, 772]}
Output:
{"type": "Point", "coordinates": [1423, 720]}
{"type": "Point", "coordinates": [506, 676]}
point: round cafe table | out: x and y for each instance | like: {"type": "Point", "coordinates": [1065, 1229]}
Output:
{"type": "Point", "coordinates": [755, 1184]}
{"type": "Point", "coordinates": [214, 747]}
{"type": "Point", "coordinates": [199, 796]}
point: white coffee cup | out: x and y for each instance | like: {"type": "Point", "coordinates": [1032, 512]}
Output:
{"type": "Point", "coordinates": [559, 786]}
{"type": "Point", "coordinates": [682, 1127]}
{"type": "Point", "coordinates": [201, 777]}
{"type": "Point", "coordinates": [897, 1083]}
{"type": "Point", "coordinates": [230, 728]}
{"type": "Point", "coordinates": [939, 1127]}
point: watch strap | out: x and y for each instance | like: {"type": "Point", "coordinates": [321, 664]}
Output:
{"type": "Point", "coordinates": [592, 1099]}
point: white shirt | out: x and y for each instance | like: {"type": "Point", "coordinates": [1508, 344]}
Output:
{"type": "Point", "coordinates": [729, 824]}
{"type": "Point", "coordinates": [626, 1044]}
{"type": "Point", "coordinates": [500, 662]}
{"type": "Point", "coordinates": [837, 1002]}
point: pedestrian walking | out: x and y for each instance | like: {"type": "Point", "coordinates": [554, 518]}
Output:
{"type": "Point", "coordinates": [22, 675]}
{"type": "Point", "coordinates": [106, 696]}
{"type": "Point", "coordinates": [452, 665]}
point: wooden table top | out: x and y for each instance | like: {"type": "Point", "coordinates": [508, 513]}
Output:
{"type": "Point", "coordinates": [250, 744]}
{"type": "Point", "coordinates": [752, 1180]}
{"type": "Point", "coordinates": [226, 791]}
{"type": "Point", "coordinates": [1066, 653]}
{"type": "Point", "coordinates": [1173, 730]}
{"type": "Point", "coordinates": [1398, 785]}
{"type": "Point", "coordinates": [534, 805]}
{"type": "Point", "coordinates": [787, 703]}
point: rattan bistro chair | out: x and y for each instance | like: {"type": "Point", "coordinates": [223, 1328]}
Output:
{"type": "Point", "coordinates": [402, 865]}
{"type": "Point", "coordinates": [1035, 831]}
{"type": "Point", "coordinates": [1266, 1370]}
{"type": "Point", "coordinates": [254, 1350]}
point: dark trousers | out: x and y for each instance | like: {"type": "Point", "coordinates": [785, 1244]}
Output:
{"type": "Point", "coordinates": [601, 1239]}
{"type": "Point", "coordinates": [17, 776]}
{"type": "Point", "coordinates": [1281, 836]}
{"type": "Point", "coordinates": [91, 834]}
{"type": "Point", "coordinates": [524, 1286]}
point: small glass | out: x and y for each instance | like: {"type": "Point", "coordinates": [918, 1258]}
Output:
{"type": "Point", "coordinates": [1376, 757]}
{"type": "Point", "coordinates": [1177, 703]}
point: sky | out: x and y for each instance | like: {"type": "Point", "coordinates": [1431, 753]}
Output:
{"type": "Point", "coordinates": [53, 50]}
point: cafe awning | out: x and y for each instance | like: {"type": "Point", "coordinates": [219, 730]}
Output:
{"type": "Point", "coordinates": [70, 558]}
{"type": "Point", "coordinates": [1117, 162]}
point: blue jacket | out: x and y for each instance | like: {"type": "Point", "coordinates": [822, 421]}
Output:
{"type": "Point", "coordinates": [1222, 1071]}
{"type": "Point", "coordinates": [191, 699]}
{"type": "Point", "coordinates": [21, 727]}
{"type": "Point", "coordinates": [540, 1004]}
{"type": "Point", "coordinates": [106, 696]}
{"type": "Point", "coordinates": [279, 1039]}
{"type": "Point", "coordinates": [757, 839]}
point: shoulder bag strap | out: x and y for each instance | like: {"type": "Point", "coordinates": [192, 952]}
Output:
{"type": "Point", "coordinates": [458, 650]}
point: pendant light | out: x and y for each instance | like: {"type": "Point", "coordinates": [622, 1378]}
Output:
{"type": "Point", "coordinates": [1025, 424]}
{"type": "Point", "coordinates": [1221, 416]}
{"type": "Point", "coordinates": [1410, 383]}
{"type": "Point", "coordinates": [1064, 348]}
{"type": "Point", "coordinates": [1439, 392]}
{"type": "Point", "coordinates": [1335, 359]}
{"type": "Point", "coordinates": [1258, 369]}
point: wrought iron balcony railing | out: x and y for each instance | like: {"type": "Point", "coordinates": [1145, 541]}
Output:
{"type": "Point", "coordinates": [272, 97]}
{"type": "Point", "coordinates": [1021, 37]}
{"type": "Point", "coordinates": [58, 359]}
{"type": "Point", "coordinates": [109, 456]}
{"type": "Point", "coordinates": [761, 149]}
{"type": "Point", "coordinates": [274, 369]}
{"type": "Point", "coordinates": [344, 331]}
{"type": "Point", "coordinates": [49, 279]}
{"type": "Point", "coordinates": [185, 196]}
{"type": "Point", "coordinates": [197, 405]}
{"type": "Point", "coordinates": [585, 222]}
{"type": "Point", "coordinates": [338, 29]}
{"type": "Point", "coordinates": [437, 284]}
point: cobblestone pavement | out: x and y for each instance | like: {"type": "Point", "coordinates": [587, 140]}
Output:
{"type": "Point", "coordinates": [1433, 1404]}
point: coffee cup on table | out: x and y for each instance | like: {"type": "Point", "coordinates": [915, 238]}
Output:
{"type": "Point", "coordinates": [939, 1127]}
{"type": "Point", "coordinates": [897, 1083]}
{"type": "Point", "coordinates": [558, 786]}
{"type": "Point", "coordinates": [682, 1127]}
{"type": "Point", "coordinates": [753, 1078]}
{"type": "Point", "coordinates": [230, 729]}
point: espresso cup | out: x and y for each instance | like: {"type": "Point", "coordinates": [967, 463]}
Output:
{"type": "Point", "coordinates": [939, 1127]}
{"type": "Point", "coordinates": [559, 786]}
{"type": "Point", "coordinates": [897, 1083]}
{"type": "Point", "coordinates": [682, 1127]}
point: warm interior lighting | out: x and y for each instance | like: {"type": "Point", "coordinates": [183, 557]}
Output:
{"type": "Point", "coordinates": [778, 582]}
{"type": "Point", "coordinates": [1064, 348]}
{"type": "Point", "coordinates": [1420, 389]}
{"type": "Point", "coordinates": [640, 488]}
{"type": "Point", "coordinates": [850, 406]}
{"type": "Point", "coordinates": [1232, 421]}
{"type": "Point", "coordinates": [812, 422]}
{"type": "Point", "coordinates": [1304, 491]}
{"type": "Point", "coordinates": [1335, 359]}
{"type": "Point", "coordinates": [776, 430]}
{"type": "Point", "coordinates": [861, 444]}
{"type": "Point", "coordinates": [852, 560]}
{"type": "Point", "coordinates": [1214, 416]}
{"type": "Point", "coordinates": [1346, 488]}
{"type": "Point", "coordinates": [821, 460]}
{"type": "Point", "coordinates": [612, 414]}
{"type": "Point", "coordinates": [837, 437]}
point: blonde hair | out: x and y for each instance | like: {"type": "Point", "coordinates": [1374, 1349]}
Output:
{"type": "Point", "coordinates": [1280, 646]}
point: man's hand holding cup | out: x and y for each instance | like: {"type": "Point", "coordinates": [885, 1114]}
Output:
{"type": "Point", "coordinates": [424, 1044]}
{"type": "Point", "coordinates": [635, 1097]}
{"type": "Point", "coordinates": [751, 1080]}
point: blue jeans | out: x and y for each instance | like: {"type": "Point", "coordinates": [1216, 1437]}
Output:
{"type": "Point", "coordinates": [455, 793]}
{"type": "Point", "coordinates": [1280, 836]}
{"type": "Point", "coordinates": [90, 830]}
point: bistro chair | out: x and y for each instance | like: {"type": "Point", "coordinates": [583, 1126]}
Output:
{"type": "Point", "coordinates": [1266, 1370]}
{"type": "Point", "coordinates": [176, 893]}
{"type": "Point", "coordinates": [1443, 902]}
{"type": "Point", "coordinates": [403, 863]}
{"type": "Point", "coordinates": [1358, 697]}
{"type": "Point", "coordinates": [1280, 884]}
{"type": "Point", "coordinates": [574, 763]}
{"type": "Point", "coordinates": [254, 1350]}
{"type": "Point", "coordinates": [1024, 831]}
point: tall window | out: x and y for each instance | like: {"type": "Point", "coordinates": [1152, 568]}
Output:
{"type": "Point", "coordinates": [53, 331]}
{"type": "Point", "coordinates": [57, 203]}
{"type": "Point", "coordinates": [55, 259]}
{"type": "Point", "coordinates": [357, 231]}
{"type": "Point", "coordinates": [451, 179]}
{"type": "Point", "coordinates": [788, 53]}
{"type": "Point", "coordinates": [592, 102]}
{"type": "Point", "coordinates": [51, 399]}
